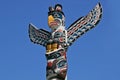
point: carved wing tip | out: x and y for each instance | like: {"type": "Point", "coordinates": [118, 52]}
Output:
{"type": "Point", "coordinates": [30, 25]}
{"type": "Point", "coordinates": [99, 3]}
{"type": "Point", "coordinates": [100, 6]}
{"type": "Point", "coordinates": [31, 28]}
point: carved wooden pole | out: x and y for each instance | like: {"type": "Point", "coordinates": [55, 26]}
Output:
{"type": "Point", "coordinates": [59, 39]}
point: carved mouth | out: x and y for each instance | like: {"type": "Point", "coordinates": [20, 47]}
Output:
{"type": "Point", "coordinates": [53, 24]}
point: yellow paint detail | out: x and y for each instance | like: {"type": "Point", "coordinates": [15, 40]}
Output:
{"type": "Point", "coordinates": [51, 47]}
{"type": "Point", "coordinates": [54, 46]}
{"type": "Point", "coordinates": [50, 19]}
{"type": "Point", "coordinates": [48, 48]}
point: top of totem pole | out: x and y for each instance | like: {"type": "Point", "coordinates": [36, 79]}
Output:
{"type": "Point", "coordinates": [56, 21]}
{"type": "Point", "coordinates": [56, 17]}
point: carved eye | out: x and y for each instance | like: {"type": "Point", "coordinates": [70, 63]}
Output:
{"type": "Point", "coordinates": [56, 15]}
{"type": "Point", "coordinates": [55, 55]}
{"type": "Point", "coordinates": [58, 34]}
{"type": "Point", "coordinates": [62, 64]}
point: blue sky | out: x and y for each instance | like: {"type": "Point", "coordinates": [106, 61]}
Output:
{"type": "Point", "coordinates": [94, 56]}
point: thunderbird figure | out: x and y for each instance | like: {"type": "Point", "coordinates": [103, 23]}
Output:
{"type": "Point", "coordinates": [59, 39]}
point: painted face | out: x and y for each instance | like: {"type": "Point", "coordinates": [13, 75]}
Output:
{"type": "Point", "coordinates": [55, 19]}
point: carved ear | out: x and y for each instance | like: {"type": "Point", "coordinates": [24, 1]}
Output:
{"type": "Point", "coordinates": [58, 7]}
{"type": "Point", "coordinates": [51, 9]}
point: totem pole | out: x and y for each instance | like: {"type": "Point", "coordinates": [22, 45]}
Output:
{"type": "Point", "coordinates": [59, 39]}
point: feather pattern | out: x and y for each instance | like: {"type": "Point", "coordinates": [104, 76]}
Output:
{"type": "Point", "coordinates": [84, 24]}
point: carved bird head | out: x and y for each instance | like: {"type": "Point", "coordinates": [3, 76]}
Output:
{"type": "Point", "coordinates": [56, 17]}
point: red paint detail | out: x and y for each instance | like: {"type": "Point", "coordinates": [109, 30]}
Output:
{"type": "Point", "coordinates": [83, 22]}
{"type": "Point", "coordinates": [49, 64]}
{"type": "Point", "coordinates": [65, 55]}
{"type": "Point", "coordinates": [61, 39]}
{"type": "Point", "coordinates": [78, 26]}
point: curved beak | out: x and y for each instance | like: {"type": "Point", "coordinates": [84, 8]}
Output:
{"type": "Point", "coordinates": [50, 19]}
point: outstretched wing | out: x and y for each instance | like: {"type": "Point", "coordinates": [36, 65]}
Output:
{"type": "Point", "coordinates": [84, 24]}
{"type": "Point", "coordinates": [38, 36]}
